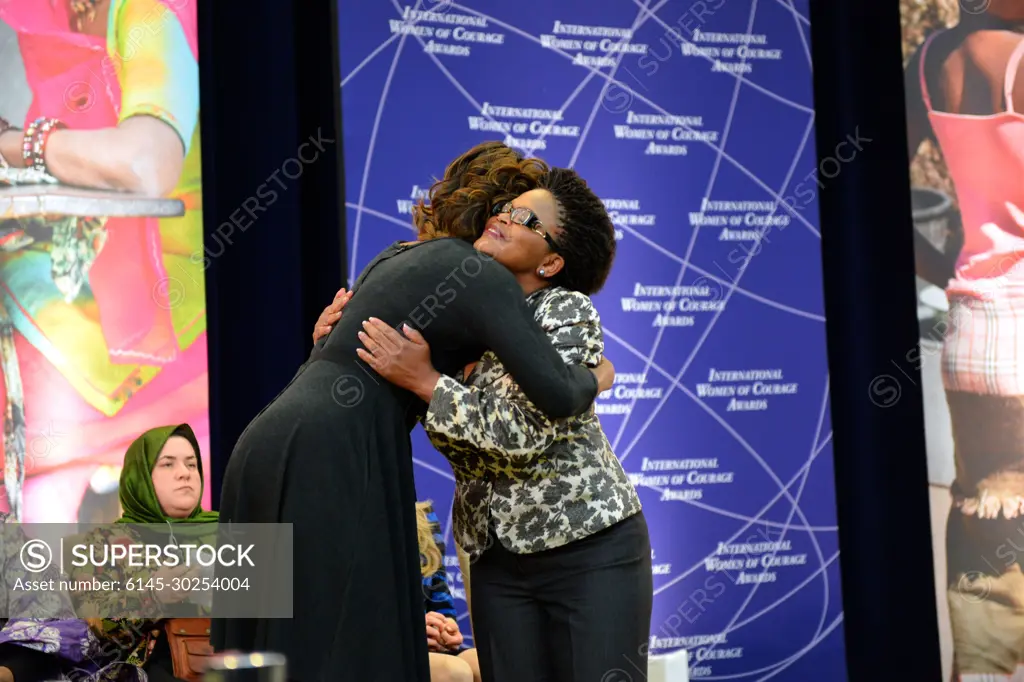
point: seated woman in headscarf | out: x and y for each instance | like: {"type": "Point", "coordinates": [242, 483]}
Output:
{"type": "Point", "coordinates": [161, 484]}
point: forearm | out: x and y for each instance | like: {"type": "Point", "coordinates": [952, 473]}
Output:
{"type": "Point", "coordinates": [139, 156]}
{"type": "Point", "coordinates": [581, 391]}
{"type": "Point", "coordinates": [88, 158]}
{"type": "Point", "coordinates": [496, 312]}
{"type": "Point", "coordinates": [424, 386]}
{"type": "Point", "coordinates": [10, 147]}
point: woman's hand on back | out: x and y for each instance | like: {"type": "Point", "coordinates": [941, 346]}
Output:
{"type": "Point", "coordinates": [331, 314]}
{"type": "Point", "coordinates": [402, 360]}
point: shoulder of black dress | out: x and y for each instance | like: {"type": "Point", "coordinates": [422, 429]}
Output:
{"type": "Point", "coordinates": [446, 250]}
{"type": "Point", "coordinates": [452, 243]}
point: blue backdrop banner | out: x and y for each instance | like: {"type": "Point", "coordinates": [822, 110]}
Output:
{"type": "Point", "coordinates": [694, 121]}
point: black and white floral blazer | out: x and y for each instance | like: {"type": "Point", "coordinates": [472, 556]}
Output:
{"type": "Point", "coordinates": [540, 483]}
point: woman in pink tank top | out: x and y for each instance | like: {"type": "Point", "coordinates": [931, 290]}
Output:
{"type": "Point", "coordinates": [965, 91]}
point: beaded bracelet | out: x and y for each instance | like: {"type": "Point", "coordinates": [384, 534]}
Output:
{"type": "Point", "coordinates": [34, 148]}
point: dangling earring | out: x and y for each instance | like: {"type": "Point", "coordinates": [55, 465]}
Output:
{"type": "Point", "coordinates": [541, 272]}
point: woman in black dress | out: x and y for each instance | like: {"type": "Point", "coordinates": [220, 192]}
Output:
{"type": "Point", "coordinates": [331, 454]}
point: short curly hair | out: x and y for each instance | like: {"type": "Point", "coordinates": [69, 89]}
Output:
{"type": "Point", "coordinates": [587, 239]}
{"type": "Point", "coordinates": [460, 203]}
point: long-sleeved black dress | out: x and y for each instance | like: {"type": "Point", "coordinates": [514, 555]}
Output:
{"type": "Point", "coordinates": [331, 455]}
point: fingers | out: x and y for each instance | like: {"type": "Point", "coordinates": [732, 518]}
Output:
{"type": "Point", "coordinates": [339, 303]}
{"type": "Point", "coordinates": [413, 335]}
{"type": "Point", "coordinates": [453, 638]}
{"type": "Point", "coordinates": [331, 314]}
{"type": "Point", "coordinates": [383, 344]}
{"type": "Point", "coordinates": [369, 343]}
{"type": "Point", "coordinates": [378, 359]}
{"type": "Point", "coordinates": [333, 311]}
{"type": "Point", "coordinates": [387, 337]}
{"type": "Point", "coordinates": [437, 626]}
{"type": "Point", "coordinates": [434, 637]}
{"type": "Point", "coordinates": [381, 357]}
{"type": "Point", "coordinates": [380, 339]}
{"type": "Point", "coordinates": [375, 363]}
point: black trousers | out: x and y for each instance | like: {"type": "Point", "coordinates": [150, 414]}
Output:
{"type": "Point", "coordinates": [577, 613]}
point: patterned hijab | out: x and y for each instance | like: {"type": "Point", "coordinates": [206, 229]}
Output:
{"type": "Point", "coordinates": [138, 496]}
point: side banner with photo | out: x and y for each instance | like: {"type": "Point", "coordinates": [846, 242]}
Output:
{"type": "Point", "coordinates": [964, 74]}
{"type": "Point", "coordinates": [965, 95]}
{"type": "Point", "coordinates": [102, 300]}
{"type": "Point", "coordinates": [694, 122]}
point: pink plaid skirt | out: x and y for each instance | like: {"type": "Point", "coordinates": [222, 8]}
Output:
{"type": "Point", "coordinates": [983, 351]}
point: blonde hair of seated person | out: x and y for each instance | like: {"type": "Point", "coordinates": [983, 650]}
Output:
{"type": "Point", "coordinates": [430, 555]}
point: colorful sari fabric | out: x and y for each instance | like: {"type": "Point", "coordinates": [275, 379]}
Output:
{"type": "Point", "coordinates": [128, 314]}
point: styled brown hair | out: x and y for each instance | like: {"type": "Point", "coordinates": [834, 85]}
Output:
{"type": "Point", "coordinates": [460, 202]}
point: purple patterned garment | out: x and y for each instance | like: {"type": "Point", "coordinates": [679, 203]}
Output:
{"type": "Point", "coordinates": [84, 657]}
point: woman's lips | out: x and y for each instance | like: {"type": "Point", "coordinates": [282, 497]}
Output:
{"type": "Point", "coordinates": [495, 233]}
